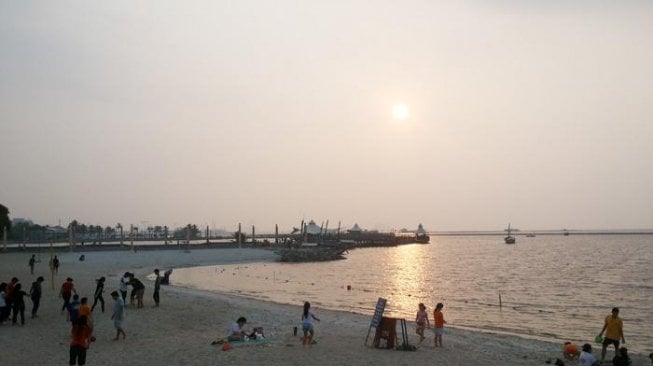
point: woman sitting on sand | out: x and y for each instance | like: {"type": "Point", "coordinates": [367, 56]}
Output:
{"type": "Point", "coordinates": [236, 332]}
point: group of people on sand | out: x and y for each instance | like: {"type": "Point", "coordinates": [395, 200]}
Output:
{"type": "Point", "coordinates": [237, 333]}
{"type": "Point", "coordinates": [614, 336]}
{"type": "Point", "coordinates": [13, 300]}
{"type": "Point", "coordinates": [422, 321]}
{"type": "Point", "coordinates": [77, 309]}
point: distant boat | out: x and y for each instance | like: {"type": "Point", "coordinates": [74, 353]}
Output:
{"type": "Point", "coordinates": [565, 233]}
{"type": "Point", "coordinates": [509, 239]}
{"type": "Point", "coordinates": [530, 235]}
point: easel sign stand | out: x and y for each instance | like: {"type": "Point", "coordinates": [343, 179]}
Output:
{"type": "Point", "coordinates": [376, 318]}
{"type": "Point", "coordinates": [386, 332]}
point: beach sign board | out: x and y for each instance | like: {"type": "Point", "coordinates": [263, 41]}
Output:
{"type": "Point", "coordinates": [378, 312]}
{"type": "Point", "coordinates": [376, 318]}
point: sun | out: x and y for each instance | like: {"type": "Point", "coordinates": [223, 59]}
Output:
{"type": "Point", "coordinates": [400, 111]}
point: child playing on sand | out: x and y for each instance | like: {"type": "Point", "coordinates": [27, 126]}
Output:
{"type": "Point", "coordinates": [307, 324]}
{"type": "Point", "coordinates": [422, 320]}
{"type": "Point", "coordinates": [586, 357]}
{"type": "Point", "coordinates": [438, 324]}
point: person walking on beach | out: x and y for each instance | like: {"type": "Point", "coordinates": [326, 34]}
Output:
{"type": "Point", "coordinates": [31, 263]}
{"type": "Point", "coordinates": [118, 315]}
{"type": "Point", "coordinates": [66, 292]}
{"type": "Point", "coordinates": [157, 287]}
{"type": "Point", "coordinates": [80, 340]}
{"type": "Point", "coordinates": [307, 324]}
{"type": "Point", "coordinates": [35, 293]}
{"type": "Point", "coordinates": [438, 324]}
{"type": "Point", "coordinates": [422, 320]}
{"type": "Point", "coordinates": [614, 331]}
{"type": "Point", "coordinates": [97, 296]}
{"type": "Point", "coordinates": [586, 357]}
{"type": "Point", "coordinates": [18, 304]}
{"type": "Point", "coordinates": [73, 309]}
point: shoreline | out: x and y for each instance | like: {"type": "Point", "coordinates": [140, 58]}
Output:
{"type": "Point", "coordinates": [180, 330]}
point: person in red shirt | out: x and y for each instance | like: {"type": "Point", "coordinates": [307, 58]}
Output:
{"type": "Point", "coordinates": [80, 340]}
{"type": "Point", "coordinates": [67, 291]}
{"type": "Point", "coordinates": [438, 324]}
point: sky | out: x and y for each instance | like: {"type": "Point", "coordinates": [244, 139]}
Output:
{"type": "Point", "coordinates": [534, 113]}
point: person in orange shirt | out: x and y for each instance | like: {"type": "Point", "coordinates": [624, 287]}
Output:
{"type": "Point", "coordinates": [80, 340]}
{"type": "Point", "coordinates": [85, 310]}
{"type": "Point", "coordinates": [438, 324]}
{"type": "Point", "coordinates": [570, 351]}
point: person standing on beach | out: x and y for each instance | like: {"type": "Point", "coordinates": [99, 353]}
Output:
{"type": "Point", "coordinates": [31, 263]}
{"type": "Point", "coordinates": [9, 295]}
{"type": "Point", "coordinates": [18, 304]}
{"type": "Point", "coordinates": [124, 280]}
{"type": "Point", "coordinates": [97, 296]}
{"type": "Point", "coordinates": [3, 302]}
{"type": "Point", "coordinates": [55, 265]}
{"type": "Point", "coordinates": [35, 293]}
{"type": "Point", "coordinates": [157, 287]}
{"type": "Point", "coordinates": [118, 315]}
{"type": "Point", "coordinates": [66, 292]}
{"type": "Point", "coordinates": [614, 331]}
{"type": "Point", "coordinates": [80, 340]}
{"type": "Point", "coordinates": [307, 324]}
{"type": "Point", "coordinates": [438, 324]}
{"type": "Point", "coordinates": [422, 320]}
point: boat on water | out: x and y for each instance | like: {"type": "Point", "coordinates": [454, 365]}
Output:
{"type": "Point", "coordinates": [509, 239]}
{"type": "Point", "coordinates": [530, 235]}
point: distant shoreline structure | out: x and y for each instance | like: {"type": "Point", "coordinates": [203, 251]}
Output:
{"type": "Point", "coordinates": [544, 232]}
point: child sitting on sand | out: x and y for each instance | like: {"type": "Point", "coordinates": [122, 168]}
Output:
{"type": "Point", "coordinates": [570, 351]}
{"type": "Point", "coordinates": [586, 357]}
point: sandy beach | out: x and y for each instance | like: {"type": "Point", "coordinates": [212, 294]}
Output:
{"type": "Point", "coordinates": [180, 331]}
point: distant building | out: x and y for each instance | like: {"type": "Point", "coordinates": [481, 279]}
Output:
{"type": "Point", "coordinates": [20, 221]}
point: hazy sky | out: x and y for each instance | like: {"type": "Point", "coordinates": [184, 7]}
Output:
{"type": "Point", "coordinates": [538, 113]}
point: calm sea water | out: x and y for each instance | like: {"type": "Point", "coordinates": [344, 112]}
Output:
{"type": "Point", "coordinates": [552, 287]}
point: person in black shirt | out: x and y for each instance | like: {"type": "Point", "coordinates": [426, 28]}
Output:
{"type": "Point", "coordinates": [35, 293]}
{"type": "Point", "coordinates": [19, 304]}
{"type": "Point", "coordinates": [99, 289]}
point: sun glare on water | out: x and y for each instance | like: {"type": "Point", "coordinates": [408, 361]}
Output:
{"type": "Point", "coordinates": [400, 112]}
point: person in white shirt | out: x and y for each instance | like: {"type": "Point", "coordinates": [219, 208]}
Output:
{"type": "Point", "coordinates": [586, 357]}
{"type": "Point", "coordinates": [236, 332]}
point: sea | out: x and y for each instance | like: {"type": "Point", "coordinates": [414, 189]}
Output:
{"type": "Point", "coordinates": [550, 287]}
